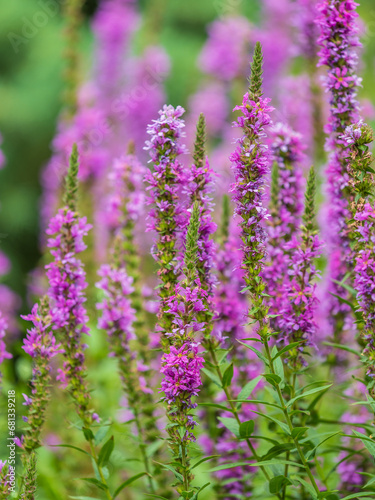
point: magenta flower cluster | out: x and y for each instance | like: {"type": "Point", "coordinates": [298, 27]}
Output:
{"type": "Point", "coordinates": [250, 165]}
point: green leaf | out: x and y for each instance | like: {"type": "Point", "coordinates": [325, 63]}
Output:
{"type": "Point", "coordinates": [195, 497]}
{"type": "Point", "coordinates": [204, 460]}
{"type": "Point", "coordinates": [231, 424]}
{"type": "Point", "coordinates": [153, 448]}
{"type": "Point", "coordinates": [96, 482]}
{"type": "Point", "coordinates": [89, 436]}
{"type": "Point", "coordinates": [308, 393]}
{"type": "Point", "coordinates": [249, 387]}
{"type": "Point", "coordinates": [298, 432]}
{"type": "Point", "coordinates": [259, 402]}
{"type": "Point", "coordinates": [129, 481]}
{"type": "Point", "coordinates": [246, 429]}
{"type": "Point", "coordinates": [307, 485]}
{"type": "Point", "coordinates": [258, 353]}
{"type": "Point", "coordinates": [286, 349]}
{"type": "Point", "coordinates": [84, 498]}
{"type": "Point", "coordinates": [370, 445]}
{"type": "Point", "coordinates": [212, 376]}
{"type": "Point", "coordinates": [342, 347]}
{"type": "Point", "coordinates": [277, 483]}
{"type": "Point", "coordinates": [283, 426]}
{"type": "Point", "coordinates": [328, 495]}
{"type": "Point", "coordinates": [228, 375]}
{"type": "Point", "coordinates": [216, 405]}
{"type": "Point", "coordinates": [172, 469]}
{"type": "Point", "coordinates": [70, 446]}
{"type": "Point", "coordinates": [231, 465]}
{"type": "Point", "coordinates": [106, 451]}
{"type": "Point", "coordinates": [311, 453]}
{"type": "Point", "coordinates": [276, 462]}
{"type": "Point", "coordinates": [101, 434]}
{"type": "Point", "coordinates": [272, 379]}
{"type": "Point", "coordinates": [370, 482]}
{"type": "Point", "coordinates": [356, 495]}
{"type": "Point", "coordinates": [277, 450]}
{"type": "Point", "coordinates": [155, 496]}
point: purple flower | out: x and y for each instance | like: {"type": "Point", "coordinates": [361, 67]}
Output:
{"type": "Point", "coordinates": [117, 314]}
{"type": "Point", "coordinates": [127, 199]}
{"type": "Point", "coordinates": [181, 368]}
{"type": "Point", "coordinates": [286, 210]}
{"type": "Point", "coordinates": [67, 285]}
{"type": "Point", "coordinates": [225, 52]}
{"type": "Point", "coordinates": [41, 345]}
{"type": "Point", "coordinates": [338, 41]}
{"type": "Point", "coordinates": [250, 164]}
{"type": "Point", "coordinates": [114, 24]}
{"type": "Point", "coordinates": [164, 186]}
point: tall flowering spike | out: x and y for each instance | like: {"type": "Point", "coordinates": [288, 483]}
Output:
{"type": "Point", "coordinates": [200, 142]}
{"type": "Point", "coordinates": [71, 181]}
{"type": "Point", "coordinates": [198, 186]}
{"type": "Point", "coordinates": [286, 208]}
{"type": "Point", "coordinates": [164, 183]}
{"type": "Point", "coordinates": [29, 481]}
{"type": "Point", "coordinates": [229, 304]}
{"type": "Point", "coordinates": [226, 213]}
{"type": "Point", "coordinates": [250, 164]}
{"type": "Point", "coordinates": [117, 320]}
{"type": "Point", "coordinates": [67, 297]}
{"type": "Point", "coordinates": [361, 229]}
{"type": "Point", "coordinates": [182, 364]}
{"type": "Point", "coordinates": [41, 345]}
{"type": "Point", "coordinates": [256, 75]}
{"type": "Point", "coordinates": [3, 352]}
{"type": "Point", "coordinates": [296, 320]}
{"type": "Point", "coordinates": [338, 41]}
{"type": "Point", "coordinates": [122, 308]}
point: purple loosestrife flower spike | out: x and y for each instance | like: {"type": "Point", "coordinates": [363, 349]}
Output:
{"type": "Point", "coordinates": [286, 209]}
{"type": "Point", "coordinates": [296, 320]}
{"type": "Point", "coordinates": [164, 147]}
{"type": "Point", "coordinates": [41, 345]}
{"type": "Point", "coordinates": [182, 364]}
{"type": "Point", "coordinates": [66, 292]}
{"type": "Point", "coordinates": [117, 319]}
{"type": "Point", "coordinates": [250, 164]}
{"type": "Point", "coordinates": [361, 228]}
{"type": "Point", "coordinates": [338, 42]}
{"type": "Point", "coordinates": [198, 187]}
{"type": "Point", "coordinates": [29, 481]}
{"type": "Point", "coordinates": [126, 206]}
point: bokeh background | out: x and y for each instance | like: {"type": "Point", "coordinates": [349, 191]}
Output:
{"type": "Point", "coordinates": [31, 89]}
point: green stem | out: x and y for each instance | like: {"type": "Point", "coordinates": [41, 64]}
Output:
{"type": "Point", "coordinates": [288, 452]}
{"type": "Point", "coordinates": [234, 409]}
{"type": "Point", "coordinates": [102, 478]}
{"type": "Point", "coordinates": [288, 419]}
{"type": "Point", "coordinates": [142, 447]}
